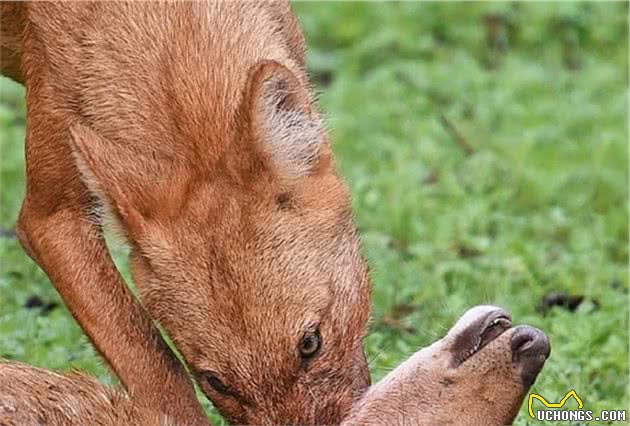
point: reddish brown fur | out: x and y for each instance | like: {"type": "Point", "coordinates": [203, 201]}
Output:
{"type": "Point", "coordinates": [192, 124]}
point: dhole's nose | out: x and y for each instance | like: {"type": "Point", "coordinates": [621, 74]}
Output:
{"type": "Point", "coordinates": [530, 348]}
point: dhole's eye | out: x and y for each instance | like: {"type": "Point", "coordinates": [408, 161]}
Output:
{"type": "Point", "coordinates": [310, 344]}
{"type": "Point", "coordinates": [215, 383]}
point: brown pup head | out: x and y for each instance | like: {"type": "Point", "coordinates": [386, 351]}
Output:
{"type": "Point", "coordinates": [250, 260]}
{"type": "Point", "coordinates": [478, 374]}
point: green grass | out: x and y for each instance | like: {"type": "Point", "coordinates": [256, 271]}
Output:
{"type": "Point", "coordinates": [483, 170]}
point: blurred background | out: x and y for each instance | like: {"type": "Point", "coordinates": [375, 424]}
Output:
{"type": "Point", "coordinates": [486, 148]}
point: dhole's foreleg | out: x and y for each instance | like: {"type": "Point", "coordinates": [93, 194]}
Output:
{"type": "Point", "coordinates": [77, 262]}
{"type": "Point", "coordinates": [71, 251]}
{"type": "Point", "coordinates": [55, 231]}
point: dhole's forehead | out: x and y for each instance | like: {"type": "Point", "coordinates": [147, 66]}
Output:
{"type": "Point", "coordinates": [300, 221]}
{"type": "Point", "coordinates": [271, 241]}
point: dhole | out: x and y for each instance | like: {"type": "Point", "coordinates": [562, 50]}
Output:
{"type": "Point", "coordinates": [477, 375]}
{"type": "Point", "coordinates": [192, 125]}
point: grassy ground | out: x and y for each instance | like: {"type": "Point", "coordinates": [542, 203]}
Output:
{"type": "Point", "coordinates": [485, 145]}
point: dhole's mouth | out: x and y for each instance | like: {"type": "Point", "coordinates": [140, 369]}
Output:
{"type": "Point", "coordinates": [477, 327]}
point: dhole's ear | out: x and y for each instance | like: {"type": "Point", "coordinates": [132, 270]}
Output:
{"type": "Point", "coordinates": [99, 171]}
{"type": "Point", "coordinates": [283, 120]}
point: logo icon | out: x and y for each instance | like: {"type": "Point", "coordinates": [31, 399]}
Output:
{"type": "Point", "coordinates": [533, 396]}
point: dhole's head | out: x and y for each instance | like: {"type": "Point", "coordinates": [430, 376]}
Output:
{"type": "Point", "coordinates": [248, 257]}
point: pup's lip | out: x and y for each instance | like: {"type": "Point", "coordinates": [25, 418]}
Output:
{"type": "Point", "coordinates": [476, 329]}
{"type": "Point", "coordinates": [495, 327]}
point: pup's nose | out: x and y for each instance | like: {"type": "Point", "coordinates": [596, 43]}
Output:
{"type": "Point", "coordinates": [530, 348]}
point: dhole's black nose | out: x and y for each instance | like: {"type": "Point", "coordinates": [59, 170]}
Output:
{"type": "Point", "coordinates": [530, 348]}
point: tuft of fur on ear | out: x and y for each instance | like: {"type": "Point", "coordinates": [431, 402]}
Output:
{"type": "Point", "coordinates": [110, 204]}
{"type": "Point", "coordinates": [284, 120]}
